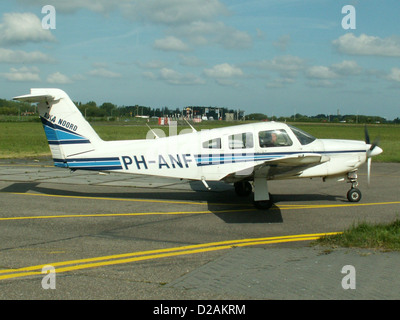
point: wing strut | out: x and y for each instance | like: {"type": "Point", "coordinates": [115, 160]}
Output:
{"type": "Point", "coordinates": [205, 183]}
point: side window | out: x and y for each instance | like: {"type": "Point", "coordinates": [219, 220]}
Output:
{"type": "Point", "coordinates": [241, 141]}
{"type": "Point", "coordinates": [304, 137]}
{"type": "Point", "coordinates": [274, 138]}
{"type": "Point", "coordinates": [212, 144]}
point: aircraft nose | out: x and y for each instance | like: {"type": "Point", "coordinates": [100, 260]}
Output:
{"type": "Point", "coordinates": [375, 151]}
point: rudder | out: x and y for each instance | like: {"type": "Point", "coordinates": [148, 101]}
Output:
{"type": "Point", "coordinates": [67, 131]}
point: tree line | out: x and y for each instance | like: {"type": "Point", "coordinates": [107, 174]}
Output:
{"type": "Point", "coordinates": [108, 110]}
{"type": "Point", "coordinates": [322, 118]}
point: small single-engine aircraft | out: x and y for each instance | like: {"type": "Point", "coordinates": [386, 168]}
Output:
{"type": "Point", "coordinates": [241, 154]}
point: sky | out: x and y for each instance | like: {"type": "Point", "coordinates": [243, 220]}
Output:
{"type": "Point", "coordinates": [277, 57]}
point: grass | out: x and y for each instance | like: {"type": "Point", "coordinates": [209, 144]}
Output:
{"type": "Point", "coordinates": [27, 139]}
{"type": "Point", "coordinates": [22, 140]}
{"type": "Point", "coordinates": [384, 237]}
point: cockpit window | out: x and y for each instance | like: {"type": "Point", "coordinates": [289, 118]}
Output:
{"type": "Point", "coordinates": [212, 144]}
{"type": "Point", "coordinates": [304, 137]}
{"type": "Point", "coordinates": [241, 141]}
{"type": "Point", "coordinates": [274, 138]}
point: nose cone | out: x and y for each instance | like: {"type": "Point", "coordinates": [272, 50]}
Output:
{"type": "Point", "coordinates": [375, 151]}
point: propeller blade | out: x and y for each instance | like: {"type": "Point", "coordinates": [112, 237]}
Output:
{"type": "Point", "coordinates": [367, 141]}
{"type": "Point", "coordinates": [369, 170]}
{"type": "Point", "coordinates": [375, 144]}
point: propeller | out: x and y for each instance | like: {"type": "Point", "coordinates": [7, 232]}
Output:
{"type": "Point", "coordinates": [372, 151]}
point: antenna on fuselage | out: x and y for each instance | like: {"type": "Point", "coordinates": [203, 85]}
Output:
{"type": "Point", "coordinates": [193, 129]}
{"type": "Point", "coordinates": [152, 131]}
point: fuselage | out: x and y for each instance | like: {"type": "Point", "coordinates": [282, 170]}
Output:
{"type": "Point", "coordinates": [210, 154]}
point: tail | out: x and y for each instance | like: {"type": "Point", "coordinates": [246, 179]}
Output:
{"type": "Point", "coordinates": [67, 131]}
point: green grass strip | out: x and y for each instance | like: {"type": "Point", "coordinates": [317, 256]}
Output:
{"type": "Point", "coordinates": [364, 235]}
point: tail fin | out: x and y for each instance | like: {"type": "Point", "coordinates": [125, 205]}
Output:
{"type": "Point", "coordinates": [67, 131]}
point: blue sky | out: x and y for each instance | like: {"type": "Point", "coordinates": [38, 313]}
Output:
{"type": "Point", "coordinates": [275, 57]}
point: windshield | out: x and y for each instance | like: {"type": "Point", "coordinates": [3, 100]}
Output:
{"type": "Point", "coordinates": [304, 137]}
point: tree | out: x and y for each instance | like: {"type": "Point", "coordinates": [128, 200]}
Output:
{"type": "Point", "coordinates": [108, 108]}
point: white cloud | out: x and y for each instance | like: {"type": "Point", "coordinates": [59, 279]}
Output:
{"type": "Point", "coordinates": [100, 6]}
{"type": "Point", "coordinates": [224, 70]}
{"type": "Point", "coordinates": [23, 74]}
{"type": "Point", "coordinates": [282, 43]}
{"type": "Point", "coordinates": [368, 45]}
{"type": "Point", "coordinates": [170, 44]}
{"type": "Point", "coordinates": [341, 69]}
{"type": "Point", "coordinates": [213, 32]}
{"type": "Point", "coordinates": [154, 64]}
{"type": "Point", "coordinates": [320, 72]}
{"type": "Point", "coordinates": [19, 56]}
{"type": "Point", "coordinates": [196, 21]}
{"type": "Point", "coordinates": [322, 83]}
{"type": "Point", "coordinates": [58, 78]}
{"type": "Point", "coordinates": [18, 28]}
{"type": "Point", "coordinates": [234, 39]}
{"type": "Point", "coordinates": [149, 75]}
{"type": "Point", "coordinates": [174, 77]}
{"type": "Point", "coordinates": [287, 66]}
{"type": "Point", "coordinates": [104, 73]}
{"type": "Point", "coordinates": [394, 75]}
{"type": "Point", "coordinates": [346, 68]}
{"type": "Point", "coordinates": [224, 74]}
{"type": "Point", "coordinates": [173, 12]}
{"type": "Point", "coordinates": [190, 61]}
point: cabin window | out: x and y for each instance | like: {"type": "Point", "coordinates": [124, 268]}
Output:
{"type": "Point", "coordinates": [274, 138]}
{"type": "Point", "coordinates": [212, 144]}
{"type": "Point", "coordinates": [304, 137]}
{"type": "Point", "coordinates": [241, 141]}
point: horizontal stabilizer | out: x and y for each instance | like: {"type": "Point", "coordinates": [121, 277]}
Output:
{"type": "Point", "coordinates": [38, 95]}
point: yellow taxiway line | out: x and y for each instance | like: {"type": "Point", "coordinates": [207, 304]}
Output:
{"type": "Point", "coordinates": [98, 215]}
{"type": "Point", "coordinates": [107, 198]}
{"type": "Point", "coordinates": [73, 265]}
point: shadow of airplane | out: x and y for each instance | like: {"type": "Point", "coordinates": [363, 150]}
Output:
{"type": "Point", "coordinates": [221, 200]}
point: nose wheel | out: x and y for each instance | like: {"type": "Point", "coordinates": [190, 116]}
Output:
{"type": "Point", "coordinates": [354, 194]}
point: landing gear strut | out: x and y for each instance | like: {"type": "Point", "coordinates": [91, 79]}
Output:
{"type": "Point", "coordinates": [354, 194]}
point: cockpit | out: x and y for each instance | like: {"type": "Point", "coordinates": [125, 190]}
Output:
{"type": "Point", "coordinates": [248, 139]}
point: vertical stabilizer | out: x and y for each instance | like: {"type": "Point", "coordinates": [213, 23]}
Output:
{"type": "Point", "coordinates": [67, 131]}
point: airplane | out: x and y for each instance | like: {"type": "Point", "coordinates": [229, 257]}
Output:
{"type": "Point", "coordinates": [247, 155]}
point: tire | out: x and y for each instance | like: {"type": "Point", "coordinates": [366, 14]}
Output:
{"type": "Point", "coordinates": [354, 195]}
{"type": "Point", "coordinates": [263, 205]}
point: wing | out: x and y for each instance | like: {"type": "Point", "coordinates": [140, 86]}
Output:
{"type": "Point", "coordinates": [291, 165]}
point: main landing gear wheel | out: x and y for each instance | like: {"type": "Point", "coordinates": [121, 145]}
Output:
{"type": "Point", "coordinates": [264, 204]}
{"type": "Point", "coordinates": [354, 195]}
{"type": "Point", "coordinates": [243, 188]}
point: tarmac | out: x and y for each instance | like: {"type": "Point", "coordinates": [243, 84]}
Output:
{"type": "Point", "coordinates": [306, 273]}
{"type": "Point", "coordinates": [285, 271]}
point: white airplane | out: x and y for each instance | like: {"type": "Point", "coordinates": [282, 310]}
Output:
{"type": "Point", "coordinates": [247, 155]}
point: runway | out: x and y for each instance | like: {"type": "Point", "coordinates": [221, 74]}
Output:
{"type": "Point", "coordinates": [119, 236]}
